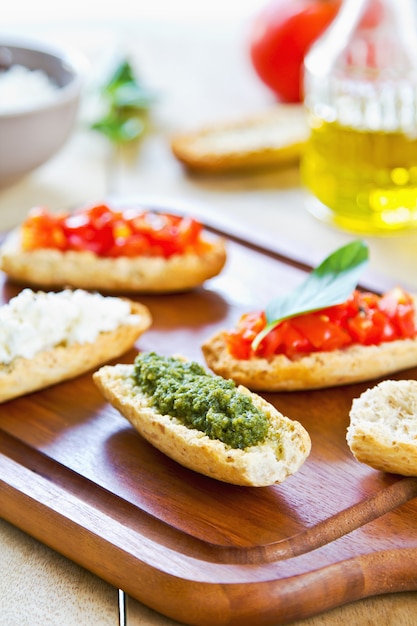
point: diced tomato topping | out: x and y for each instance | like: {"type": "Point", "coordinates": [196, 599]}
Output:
{"type": "Point", "coordinates": [365, 318]}
{"type": "Point", "coordinates": [43, 229]}
{"type": "Point", "coordinates": [109, 232]}
{"type": "Point", "coordinates": [240, 349]}
{"type": "Point", "coordinates": [322, 333]}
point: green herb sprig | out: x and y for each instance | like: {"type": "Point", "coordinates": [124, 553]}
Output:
{"type": "Point", "coordinates": [127, 103]}
{"type": "Point", "coordinates": [328, 284]}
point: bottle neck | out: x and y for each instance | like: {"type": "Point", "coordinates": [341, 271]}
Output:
{"type": "Point", "coordinates": [363, 71]}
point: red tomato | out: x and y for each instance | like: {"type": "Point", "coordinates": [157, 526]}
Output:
{"type": "Point", "coordinates": [88, 232]}
{"type": "Point", "coordinates": [272, 343]}
{"type": "Point", "coordinates": [371, 328]}
{"type": "Point", "coordinates": [43, 230]}
{"type": "Point", "coordinates": [365, 318]}
{"type": "Point", "coordinates": [398, 305]}
{"type": "Point", "coordinates": [107, 232]}
{"type": "Point", "coordinates": [134, 245]}
{"type": "Point", "coordinates": [239, 348]}
{"type": "Point", "coordinates": [295, 342]}
{"type": "Point", "coordinates": [282, 34]}
{"type": "Point", "coordinates": [321, 332]}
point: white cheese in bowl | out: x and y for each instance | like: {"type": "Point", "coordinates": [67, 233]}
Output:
{"type": "Point", "coordinates": [36, 321]}
{"type": "Point", "coordinates": [22, 88]}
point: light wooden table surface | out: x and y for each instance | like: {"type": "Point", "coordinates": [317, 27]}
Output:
{"type": "Point", "coordinates": [202, 73]}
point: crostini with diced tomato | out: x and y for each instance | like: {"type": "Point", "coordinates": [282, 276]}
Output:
{"type": "Point", "coordinates": [112, 249]}
{"type": "Point", "coordinates": [323, 334]}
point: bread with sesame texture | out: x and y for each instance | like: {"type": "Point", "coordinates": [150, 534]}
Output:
{"type": "Point", "coordinates": [280, 454]}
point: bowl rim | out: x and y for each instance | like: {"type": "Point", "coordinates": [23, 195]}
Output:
{"type": "Point", "coordinates": [70, 57]}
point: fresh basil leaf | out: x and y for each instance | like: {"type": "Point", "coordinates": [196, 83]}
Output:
{"type": "Point", "coordinates": [127, 104]}
{"type": "Point", "coordinates": [131, 129]}
{"type": "Point", "coordinates": [120, 131]}
{"type": "Point", "coordinates": [123, 73]}
{"type": "Point", "coordinates": [328, 284]}
{"type": "Point", "coordinates": [131, 95]}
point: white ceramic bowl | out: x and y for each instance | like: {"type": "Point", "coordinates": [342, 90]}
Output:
{"type": "Point", "coordinates": [33, 133]}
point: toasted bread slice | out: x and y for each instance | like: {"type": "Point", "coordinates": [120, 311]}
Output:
{"type": "Point", "coordinates": [274, 138]}
{"type": "Point", "coordinates": [383, 427]}
{"type": "Point", "coordinates": [316, 370]}
{"type": "Point", "coordinates": [284, 450]}
{"type": "Point", "coordinates": [47, 268]}
{"type": "Point", "coordinates": [61, 362]}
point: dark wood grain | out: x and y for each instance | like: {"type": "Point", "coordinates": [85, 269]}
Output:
{"type": "Point", "coordinates": [75, 475]}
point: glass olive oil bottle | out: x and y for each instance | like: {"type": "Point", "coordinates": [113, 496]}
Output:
{"type": "Point", "coordinates": [360, 164]}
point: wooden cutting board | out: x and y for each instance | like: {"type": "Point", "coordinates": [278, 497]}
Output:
{"type": "Point", "coordinates": [76, 476]}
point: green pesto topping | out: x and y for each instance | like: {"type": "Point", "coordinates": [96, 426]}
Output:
{"type": "Point", "coordinates": [200, 400]}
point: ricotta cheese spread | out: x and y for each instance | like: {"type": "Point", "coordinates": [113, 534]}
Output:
{"type": "Point", "coordinates": [22, 88]}
{"type": "Point", "coordinates": [36, 321]}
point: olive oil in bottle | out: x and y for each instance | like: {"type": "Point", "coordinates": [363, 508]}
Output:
{"type": "Point", "coordinates": [360, 164]}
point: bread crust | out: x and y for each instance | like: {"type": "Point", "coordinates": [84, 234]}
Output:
{"type": "Point", "coordinates": [317, 370]}
{"type": "Point", "coordinates": [383, 427]}
{"type": "Point", "coordinates": [273, 138]}
{"type": "Point", "coordinates": [49, 367]}
{"type": "Point", "coordinates": [265, 464]}
{"type": "Point", "coordinates": [47, 268]}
